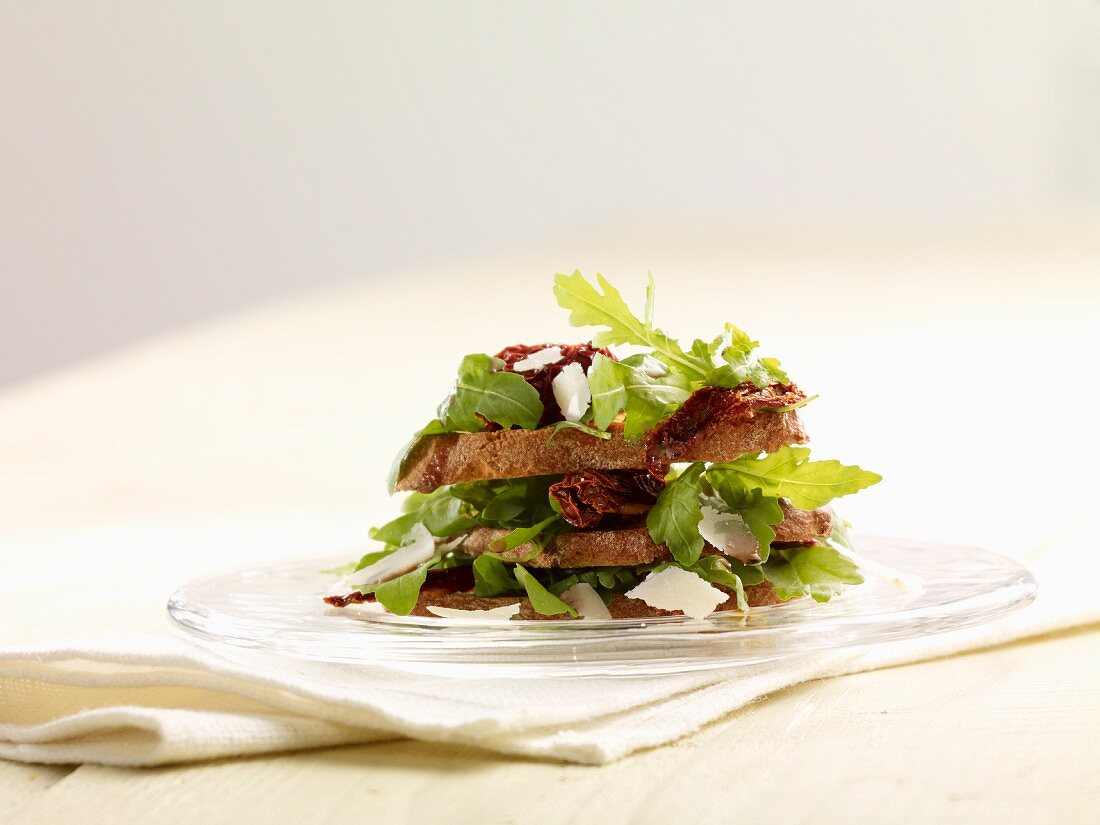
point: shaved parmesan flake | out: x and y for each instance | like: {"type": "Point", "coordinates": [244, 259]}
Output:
{"type": "Point", "coordinates": [652, 367]}
{"type": "Point", "coordinates": [338, 588]}
{"type": "Point", "coordinates": [550, 355]}
{"type": "Point", "coordinates": [493, 614]}
{"type": "Point", "coordinates": [587, 602]}
{"type": "Point", "coordinates": [677, 589]}
{"type": "Point", "coordinates": [572, 392]}
{"type": "Point", "coordinates": [729, 533]}
{"type": "Point", "coordinates": [416, 548]}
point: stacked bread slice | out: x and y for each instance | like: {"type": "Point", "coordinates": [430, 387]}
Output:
{"type": "Point", "coordinates": [621, 540]}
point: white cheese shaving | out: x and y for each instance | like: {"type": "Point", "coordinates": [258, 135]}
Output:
{"type": "Point", "coordinates": [550, 355]}
{"type": "Point", "coordinates": [572, 392]}
{"type": "Point", "coordinates": [652, 367]}
{"type": "Point", "coordinates": [677, 589]}
{"type": "Point", "coordinates": [416, 548]}
{"type": "Point", "coordinates": [587, 601]}
{"type": "Point", "coordinates": [493, 614]}
{"type": "Point", "coordinates": [338, 588]}
{"type": "Point", "coordinates": [729, 533]}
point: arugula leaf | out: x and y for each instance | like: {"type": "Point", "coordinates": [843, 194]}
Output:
{"type": "Point", "coordinates": [619, 577]}
{"type": "Point", "coordinates": [741, 365]}
{"type": "Point", "coordinates": [369, 559]}
{"type": "Point", "coordinates": [758, 511]}
{"type": "Point", "coordinates": [590, 308]}
{"type": "Point", "coordinates": [444, 515]}
{"type": "Point", "coordinates": [517, 502]}
{"type": "Point", "coordinates": [784, 579]}
{"type": "Point", "coordinates": [439, 511]}
{"type": "Point", "coordinates": [559, 586]}
{"type": "Point", "coordinates": [739, 595]}
{"type": "Point", "coordinates": [674, 518]}
{"type": "Point", "coordinates": [399, 595]}
{"type": "Point", "coordinates": [705, 350]}
{"type": "Point", "coordinates": [604, 580]}
{"type": "Point", "coordinates": [788, 473]}
{"type": "Point", "coordinates": [542, 600]}
{"type": "Point", "coordinates": [759, 515]}
{"type": "Point", "coordinates": [646, 401]}
{"type": "Point", "coordinates": [748, 573]}
{"type": "Point", "coordinates": [819, 572]}
{"type": "Point", "coordinates": [722, 570]}
{"type": "Point", "coordinates": [454, 558]}
{"type": "Point", "coordinates": [513, 503]}
{"type": "Point", "coordinates": [394, 530]}
{"type": "Point", "coordinates": [476, 493]}
{"type": "Point", "coordinates": [537, 535]}
{"type": "Point", "coordinates": [492, 577]}
{"type": "Point", "coordinates": [823, 570]}
{"type": "Point", "coordinates": [482, 388]}
{"type": "Point", "coordinates": [341, 570]}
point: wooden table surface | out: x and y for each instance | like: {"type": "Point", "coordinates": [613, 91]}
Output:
{"type": "Point", "coordinates": [267, 435]}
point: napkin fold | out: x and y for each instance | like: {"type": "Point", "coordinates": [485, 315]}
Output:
{"type": "Point", "coordinates": [151, 700]}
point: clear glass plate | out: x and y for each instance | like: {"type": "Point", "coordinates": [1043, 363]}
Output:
{"type": "Point", "coordinates": [277, 609]}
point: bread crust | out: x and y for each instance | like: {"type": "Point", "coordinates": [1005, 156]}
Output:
{"type": "Point", "coordinates": [633, 545]}
{"type": "Point", "coordinates": [802, 526]}
{"type": "Point", "coordinates": [452, 458]}
{"type": "Point", "coordinates": [621, 606]}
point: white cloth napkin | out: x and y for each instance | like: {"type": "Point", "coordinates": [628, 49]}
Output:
{"type": "Point", "coordinates": [150, 700]}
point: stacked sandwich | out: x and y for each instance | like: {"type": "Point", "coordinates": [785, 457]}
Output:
{"type": "Point", "coordinates": [567, 481]}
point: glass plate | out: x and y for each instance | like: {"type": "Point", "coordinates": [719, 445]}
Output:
{"type": "Point", "coordinates": [277, 609]}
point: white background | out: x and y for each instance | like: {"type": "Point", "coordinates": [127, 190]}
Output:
{"type": "Point", "coordinates": [164, 162]}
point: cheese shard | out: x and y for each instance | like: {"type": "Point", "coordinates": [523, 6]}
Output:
{"type": "Point", "coordinates": [676, 589]}
{"type": "Point", "coordinates": [550, 355]}
{"type": "Point", "coordinates": [587, 602]}
{"type": "Point", "coordinates": [729, 533]}
{"type": "Point", "coordinates": [506, 611]}
{"type": "Point", "coordinates": [572, 392]}
{"type": "Point", "coordinates": [417, 547]}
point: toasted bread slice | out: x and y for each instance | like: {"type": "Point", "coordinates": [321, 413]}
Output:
{"type": "Point", "coordinates": [621, 606]}
{"type": "Point", "coordinates": [452, 458]}
{"type": "Point", "coordinates": [633, 546]}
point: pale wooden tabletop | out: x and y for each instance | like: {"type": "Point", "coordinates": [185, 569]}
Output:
{"type": "Point", "coordinates": [266, 435]}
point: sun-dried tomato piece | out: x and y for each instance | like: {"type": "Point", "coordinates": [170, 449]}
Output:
{"type": "Point", "coordinates": [706, 407]}
{"type": "Point", "coordinates": [587, 497]}
{"type": "Point", "coordinates": [542, 378]}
